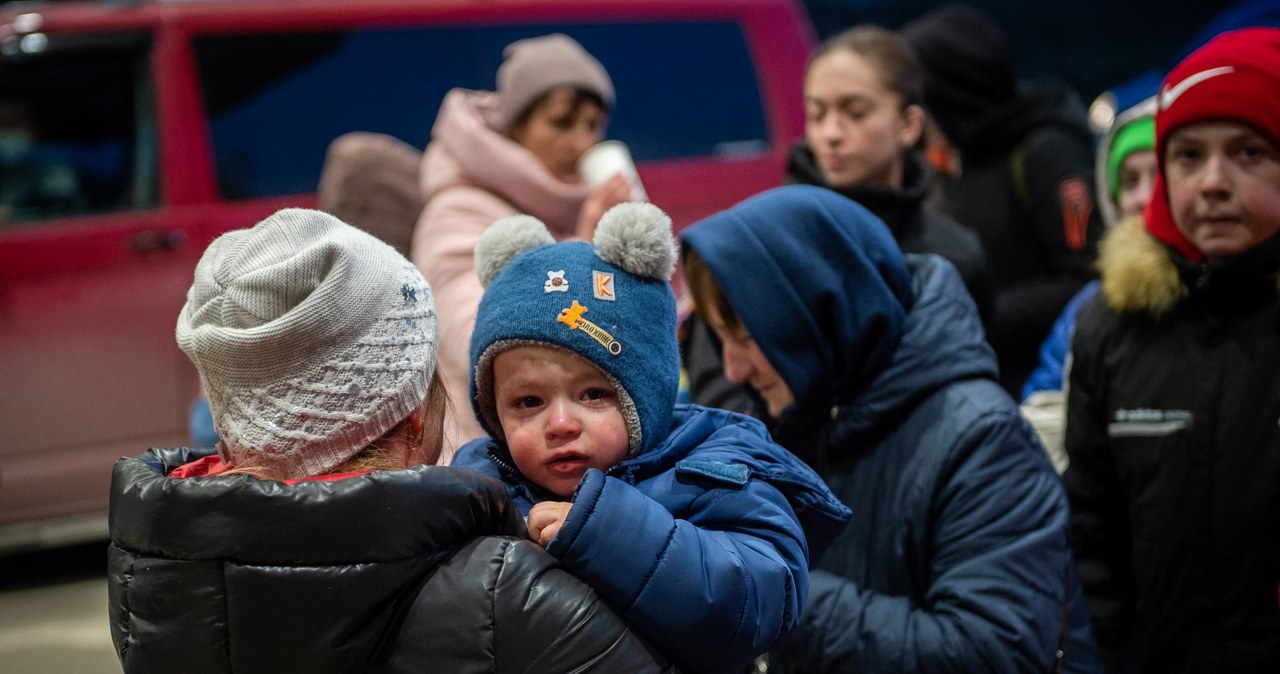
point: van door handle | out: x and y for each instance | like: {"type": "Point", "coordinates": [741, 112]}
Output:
{"type": "Point", "coordinates": [153, 240]}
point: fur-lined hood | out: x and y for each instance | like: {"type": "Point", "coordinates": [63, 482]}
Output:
{"type": "Point", "coordinates": [1138, 271]}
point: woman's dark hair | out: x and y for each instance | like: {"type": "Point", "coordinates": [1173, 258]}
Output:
{"type": "Point", "coordinates": [891, 57]}
{"type": "Point", "coordinates": [580, 96]}
{"type": "Point", "coordinates": [707, 296]}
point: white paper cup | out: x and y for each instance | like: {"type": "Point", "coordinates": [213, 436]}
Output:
{"type": "Point", "coordinates": [606, 159]}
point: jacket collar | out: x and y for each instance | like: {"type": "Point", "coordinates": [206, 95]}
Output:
{"type": "Point", "coordinates": [1144, 275]}
{"type": "Point", "coordinates": [942, 344]}
{"type": "Point", "coordinates": [899, 208]}
{"type": "Point", "coordinates": [325, 522]}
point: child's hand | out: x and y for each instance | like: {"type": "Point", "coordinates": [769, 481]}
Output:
{"type": "Point", "coordinates": [545, 519]}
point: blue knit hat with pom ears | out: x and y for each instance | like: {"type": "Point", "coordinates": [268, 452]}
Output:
{"type": "Point", "coordinates": [609, 301]}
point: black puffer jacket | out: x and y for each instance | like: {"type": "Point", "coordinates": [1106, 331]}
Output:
{"type": "Point", "coordinates": [1027, 189]}
{"type": "Point", "coordinates": [417, 570]}
{"type": "Point", "coordinates": [1174, 481]}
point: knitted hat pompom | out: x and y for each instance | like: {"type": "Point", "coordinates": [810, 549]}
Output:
{"type": "Point", "coordinates": [505, 239]}
{"type": "Point", "coordinates": [637, 237]}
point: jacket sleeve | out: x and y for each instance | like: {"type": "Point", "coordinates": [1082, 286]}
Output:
{"type": "Point", "coordinates": [1099, 531]}
{"type": "Point", "coordinates": [444, 244]}
{"type": "Point", "coordinates": [1048, 375]}
{"type": "Point", "coordinates": [713, 588]}
{"type": "Point", "coordinates": [1058, 175]}
{"type": "Point", "coordinates": [550, 621]}
{"type": "Point", "coordinates": [998, 573]}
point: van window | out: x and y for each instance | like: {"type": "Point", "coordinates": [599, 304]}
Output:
{"type": "Point", "coordinates": [275, 102]}
{"type": "Point", "coordinates": [77, 130]}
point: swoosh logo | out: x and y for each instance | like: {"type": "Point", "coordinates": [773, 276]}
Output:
{"type": "Point", "coordinates": [1171, 94]}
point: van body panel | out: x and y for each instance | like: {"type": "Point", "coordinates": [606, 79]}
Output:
{"type": "Point", "coordinates": [180, 120]}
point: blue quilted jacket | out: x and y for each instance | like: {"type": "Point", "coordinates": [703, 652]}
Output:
{"type": "Point", "coordinates": [957, 558]}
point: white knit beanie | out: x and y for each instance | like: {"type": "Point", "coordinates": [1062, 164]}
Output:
{"type": "Point", "coordinates": [312, 338]}
{"type": "Point", "coordinates": [536, 65]}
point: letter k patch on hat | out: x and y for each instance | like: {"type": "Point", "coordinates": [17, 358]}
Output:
{"type": "Point", "coordinates": [602, 281]}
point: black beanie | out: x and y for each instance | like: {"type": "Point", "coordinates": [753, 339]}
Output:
{"type": "Point", "coordinates": [966, 63]}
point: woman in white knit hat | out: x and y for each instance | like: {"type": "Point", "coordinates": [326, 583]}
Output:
{"type": "Point", "coordinates": [317, 536]}
{"type": "Point", "coordinates": [501, 153]}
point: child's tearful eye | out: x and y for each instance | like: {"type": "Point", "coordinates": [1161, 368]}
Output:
{"type": "Point", "coordinates": [595, 394]}
{"type": "Point", "coordinates": [526, 402]}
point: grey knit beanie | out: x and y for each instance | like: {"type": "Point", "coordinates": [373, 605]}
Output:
{"type": "Point", "coordinates": [312, 339]}
{"type": "Point", "coordinates": [534, 66]}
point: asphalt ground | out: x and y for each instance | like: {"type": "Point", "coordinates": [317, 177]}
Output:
{"type": "Point", "coordinates": [53, 612]}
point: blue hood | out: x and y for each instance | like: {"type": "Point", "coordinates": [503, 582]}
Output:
{"type": "Point", "coordinates": [818, 281]}
{"type": "Point", "coordinates": [942, 343]}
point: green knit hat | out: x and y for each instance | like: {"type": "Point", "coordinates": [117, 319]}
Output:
{"type": "Point", "coordinates": [1135, 136]}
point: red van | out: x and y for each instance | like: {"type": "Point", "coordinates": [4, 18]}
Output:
{"type": "Point", "coordinates": [133, 133]}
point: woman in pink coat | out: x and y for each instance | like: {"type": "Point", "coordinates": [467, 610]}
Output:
{"type": "Point", "coordinates": [495, 154]}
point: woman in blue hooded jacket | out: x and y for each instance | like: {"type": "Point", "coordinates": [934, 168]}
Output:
{"type": "Point", "coordinates": [957, 557]}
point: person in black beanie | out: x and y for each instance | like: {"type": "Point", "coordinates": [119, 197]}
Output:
{"type": "Point", "coordinates": [1016, 161]}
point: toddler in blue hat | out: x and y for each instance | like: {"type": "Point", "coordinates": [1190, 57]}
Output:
{"type": "Point", "coordinates": [691, 522]}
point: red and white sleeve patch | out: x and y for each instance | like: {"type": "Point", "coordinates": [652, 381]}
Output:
{"type": "Point", "coordinates": [1077, 206]}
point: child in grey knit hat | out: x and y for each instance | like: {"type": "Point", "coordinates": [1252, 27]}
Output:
{"type": "Point", "coordinates": [690, 522]}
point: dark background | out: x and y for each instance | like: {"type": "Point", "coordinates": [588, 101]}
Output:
{"type": "Point", "coordinates": [1092, 44]}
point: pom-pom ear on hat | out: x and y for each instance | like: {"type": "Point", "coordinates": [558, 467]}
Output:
{"type": "Point", "coordinates": [637, 237]}
{"type": "Point", "coordinates": [505, 239]}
